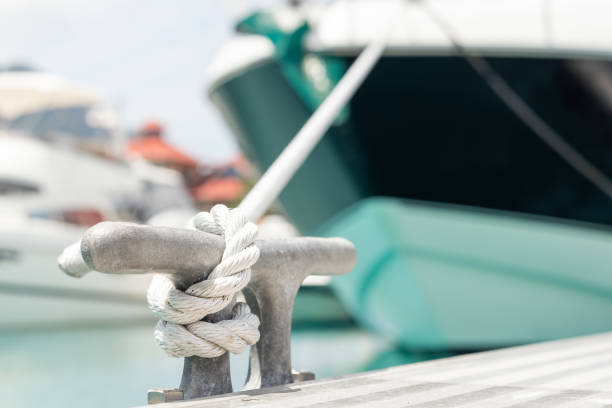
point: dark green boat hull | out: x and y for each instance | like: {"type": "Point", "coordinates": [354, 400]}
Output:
{"type": "Point", "coordinates": [436, 277]}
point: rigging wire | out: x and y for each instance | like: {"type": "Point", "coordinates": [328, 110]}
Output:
{"type": "Point", "coordinates": [520, 108]}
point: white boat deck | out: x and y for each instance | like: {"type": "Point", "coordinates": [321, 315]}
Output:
{"type": "Point", "coordinates": [566, 373]}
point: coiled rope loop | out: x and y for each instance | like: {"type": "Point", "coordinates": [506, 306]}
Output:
{"type": "Point", "coordinates": [180, 332]}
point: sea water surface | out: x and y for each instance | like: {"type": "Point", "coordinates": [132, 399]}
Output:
{"type": "Point", "coordinates": [114, 366]}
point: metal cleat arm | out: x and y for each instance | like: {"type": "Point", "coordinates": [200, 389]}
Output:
{"type": "Point", "coordinates": [187, 256]}
{"type": "Point", "coordinates": [125, 248]}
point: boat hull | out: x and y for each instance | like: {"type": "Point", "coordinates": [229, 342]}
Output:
{"type": "Point", "coordinates": [449, 277]}
{"type": "Point", "coordinates": [427, 128]}
{"type": "Point", "coordinates": [35, 294]}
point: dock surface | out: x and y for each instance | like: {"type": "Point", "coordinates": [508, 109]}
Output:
{"type": "Point", "coordinates": [574, 372]}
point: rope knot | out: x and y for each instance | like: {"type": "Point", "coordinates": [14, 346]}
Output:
{"type": "Point", "coordinates": [180, 331]}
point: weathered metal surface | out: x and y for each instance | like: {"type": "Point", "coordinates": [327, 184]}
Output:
{"type": "Point", "coordinates": [271, 295]}
{"type": "Point", "coordinates": [124, 248]}
{"type": "Point", "coordinates": [160, 395]}
{"type": "Point", "coordinates": [300, 376]}
{"type": "Point", "coordinates": [188, 256]}
{"type": "Point", "coordinates": [567, 373]}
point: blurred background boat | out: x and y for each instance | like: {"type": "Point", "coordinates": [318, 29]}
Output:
{"type": "Point", "coordinates": [471, 232]}
{"type": "Point", "coordinates": [62, 170]}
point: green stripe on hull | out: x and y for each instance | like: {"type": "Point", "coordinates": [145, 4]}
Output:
{"type": "Point", "coordinates": [450, 277]}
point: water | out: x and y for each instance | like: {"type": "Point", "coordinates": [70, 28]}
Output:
{"type": "Point", "coordinates": [114, 366]}
{"type": "Point", "coordinates": [90, 368]}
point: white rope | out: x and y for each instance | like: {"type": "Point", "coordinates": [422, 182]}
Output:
{"type": "Point", "coordinates": [180, 332]}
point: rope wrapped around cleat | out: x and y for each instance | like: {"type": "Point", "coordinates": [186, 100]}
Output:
{"type": "Point", "coordinates": [180, 331]}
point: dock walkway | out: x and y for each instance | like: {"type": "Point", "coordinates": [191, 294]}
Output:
{"type": "Point", "coordinates": [575, 372]}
